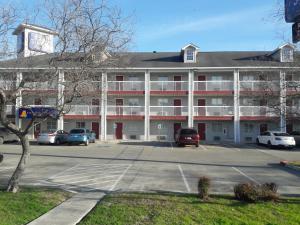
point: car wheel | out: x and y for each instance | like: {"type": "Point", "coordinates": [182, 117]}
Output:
{"type": "Point", "coordinates": [270, 144]}
{"type": "Point", "coordinates": [57, 142]}
{"type": "Point", "coordinates": [87, 142]}
{"type": "Point", "coordinates": [1, 140]}
{"type": "Point", "coordinates": [257, 141]}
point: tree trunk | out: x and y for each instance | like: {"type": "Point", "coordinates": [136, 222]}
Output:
{"type": "Point", "coordinates": [13, 184]}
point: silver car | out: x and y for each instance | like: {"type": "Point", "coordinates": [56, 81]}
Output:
{"type": "Point", "coordinates": [52, 137]}
{"type": "Point", "coordinates": [7, 135]}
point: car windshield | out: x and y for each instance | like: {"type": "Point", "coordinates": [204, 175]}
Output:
{"type": "Point", "coordinates": [77, 131]}
{"type": "Point", "coordinates": [281, 134]}
{"type": "Point", "coordinates": [188, 131]}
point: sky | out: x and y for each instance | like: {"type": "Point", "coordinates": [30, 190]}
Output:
{"type": "Point", "coordinates": [220, 25]}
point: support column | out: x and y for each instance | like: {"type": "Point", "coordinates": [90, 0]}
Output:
{"type": "Point", "coordinates": [282, 102]}
{"type": "Point", "coordinates": [191, 99]}
{"type": "Point", "coordinates": [237, 130]}
{"type": "Point", "coordinates": [147, 107]}
{"type": "Point", "coordinates": [103, 131]}
{"type": "Point", "coordinates": [18, 121]}
{"type": "Point", "coordinates": [60, 97]}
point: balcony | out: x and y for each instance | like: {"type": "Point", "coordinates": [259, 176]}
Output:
{"type": "Point", "coordinates": [126, 87]}
{"type": "Point", "coordinates": [257, 112]}
{"type": "Point", "coordinates": [213, 112]}
{"type": "Point", "coordinates": [168, 112]}
{"type": "Point", "coordinates": [169, 87]}
{"type": "Point", "coordinates": [213, 87]}
{"type": "Point", "coordinates": [125, 112]}
{"type": "Point", "coordinates": [259, 86]}
{"type": "Point", "coordinates": [293, 86]}
{"type": "Point", "coordinates": [84, 87]}
{"type": "Point", "coordinates": [82, 111]}
{"type": "Point", "coordinates": [7, 85]}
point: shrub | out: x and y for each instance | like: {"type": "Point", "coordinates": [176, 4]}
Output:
{"type": "Point", "coordinates": [203, 187]}
{"type": "Point", "coordinates": [269, 192]}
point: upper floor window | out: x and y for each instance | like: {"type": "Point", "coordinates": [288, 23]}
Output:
{"type": "Point", "coordinates": [216, 101]}
{"type": "Point", "coordinates": [133, 102]}
{"type": "Point", "coordinates": [287, 55]}
{"type": "Point", "coordinates": [80, 124]}
{"type": "Point", "coordinates": [216, 78]}
{"type": "Point", "coordinates": [190, 55]}
{"type": "Point", "coordinates": [163, 102]}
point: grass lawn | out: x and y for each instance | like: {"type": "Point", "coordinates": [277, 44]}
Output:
{"type": "Point", "coordinates": [187, 209]}
{"type": "Point", "coordinates": [295, 163]}
{"type": "Point", "coordinates": [28, 204]}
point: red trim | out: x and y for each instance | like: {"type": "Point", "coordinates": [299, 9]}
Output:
{"type": "Point", "coordinates": [124, 117]}
{"type": "Point", "coordinates": [126, 92]}
{"type": "Point", "coordinates": [181, 118]}
{"type": "Point", "coordinates": [176, 93]}
{"type": "Point", "coordinates": [81, 117]}
{"type": "Point", "coordinates": [211, 118]}
{"type": "Point", "coordinates": [213, 92]}
{"type": "Point", "coordinates": [257, 118]}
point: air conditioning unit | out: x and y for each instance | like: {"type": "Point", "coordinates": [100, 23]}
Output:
{"type": "Point", "coordinates": [217, 138]}
{"type": "Point", "coordinates": [161, 137]}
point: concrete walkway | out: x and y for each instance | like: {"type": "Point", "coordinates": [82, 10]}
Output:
{"type": "Point", "coordinates": [71, 211]}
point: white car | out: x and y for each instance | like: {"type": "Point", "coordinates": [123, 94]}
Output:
{"type": "Point", "coordinates": [52, 137]}
{"type": "Point", "coordinates": [276, 138]}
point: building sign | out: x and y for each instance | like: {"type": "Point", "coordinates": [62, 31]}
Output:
{"type": "Point", "coordinates": [38, 112]}
{"type": "Point", "coordinates": [39, 42]}
{"type": "Point", "coordinates": [292, 11]}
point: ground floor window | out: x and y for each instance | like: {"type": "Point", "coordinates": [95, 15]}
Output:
{"type": "Point", "coordinates": [217, 127]}
{"type": "Point", "coordinates": [80, 124]}
{"type": "Point", "coordinates": [248, 128]}
{"type": "Point", "coordinates": [51, 125]}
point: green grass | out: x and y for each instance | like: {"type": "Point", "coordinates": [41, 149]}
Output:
{"type": "Point", "coordinates": [295, 163]}
{"type": "Point", "coordinates": [28, 204]}
{"type": "Point", "coordinates": [188, 209]}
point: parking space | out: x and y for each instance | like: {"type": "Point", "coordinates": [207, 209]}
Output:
{"type": "Point", "coordinates": [157, 166]}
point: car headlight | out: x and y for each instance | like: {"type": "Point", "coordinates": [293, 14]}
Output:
{"type": "Point", "coordinates": [278, 139]}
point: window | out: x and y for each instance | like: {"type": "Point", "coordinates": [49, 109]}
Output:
{"type": "Point", "coordinates": [163, 78]}
{"type": "Point", "coordinates": [287, 55]}
{"type": "Point", "coordinates": [216, 101]}
{"type": "Point", "coordinates": [51, 125]}
{"type": "Point", "coordinates": [248, 128]}
{"type": "Point", "coordinates": [37, 101]}
{"type": "Point", "coordinates": [133, 102]}
{"type": "Point", "coordinates": [216, 78]}
{"type": "Point", "coordinates": [248, 78]}
{"type": "Point", "coordinates": [80, 124]}
{"type": "Point", "coordinates": [163, 101]}
{"type": "Point", "coordinates": [190, 55]}
{"type": "Point", "coordinates": [51, 101]}
{"type": "Point", "coordinates": [133, 78]}
{"type": "Point", "coordinates": [217, 127]}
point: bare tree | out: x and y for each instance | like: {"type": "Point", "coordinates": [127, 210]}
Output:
{"type": "Point", "coordinates": [91, 36]}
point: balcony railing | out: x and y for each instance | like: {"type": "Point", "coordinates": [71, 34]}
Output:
{"type": "Point", "coordinates": [259, 86]}
{"type": "Point", "coordinates": [126, 85]}
{"type": "Point", "coordinates": [257, 111]}
{"type": "Point", "coordinates": [7, 85]}
{"type": "Point", "coordinates": [168, 85]}
{"type": "Point", "coordinates": [293, 85]}
{"type": "Point", "coordinates": [125, 110]}
{"type": "Point", "coordinates": [168, 110]}
{"type": "Point", "coordinates": [224, 85]}
{"type": "Point", "coordinates": [213, 110]}
{"type": "Point", "coordinates": [40, 85]}
{"type": "Point", "coordinates": [82, 110]}
{"type": "Point", "coordinates": [85, 86]}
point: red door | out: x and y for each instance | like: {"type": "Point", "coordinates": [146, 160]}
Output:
{"type": "Point", "coordinates": [177, 126]}
{"type": "Point", "coordinates": [37, 129]}
{"type": "Point", "coordinates": [119, 131]}
{"type": "Point", "coordinates": [119, 106]}
{"type": "Point", "coordinates": [201, 85]}
{"type": "Point", "coordinates": [263, 128]}
{"type": "Point", "coordinates": [95, 128]}
{"type": "Point", "coordinates": [201, 131]}
{"type": "Point", "coordinates": [177, 80]}
{"type": "Point", "coordinates": [119, 86]}
{"type": "Point", "coordinates": [177, 108]}
{"type": "Point", "coordinates": [95, 104]}
{"type": "Point", "coordinates": [201, 108]}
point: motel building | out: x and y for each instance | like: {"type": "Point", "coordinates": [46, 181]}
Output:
{"type": "Point", "coordinates": [217, 93]}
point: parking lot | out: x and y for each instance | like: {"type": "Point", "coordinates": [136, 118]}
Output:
{"type": "Point", "coordinates": [151, 166]}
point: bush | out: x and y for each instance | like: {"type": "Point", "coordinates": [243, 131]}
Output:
{"type": "Point", "coordinates": [250, 192]}
{"type": "Point", "coordinates": [203, 187]}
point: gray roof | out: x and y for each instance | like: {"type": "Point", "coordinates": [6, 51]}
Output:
{"type": "Point", "coordinates": [169, 60]}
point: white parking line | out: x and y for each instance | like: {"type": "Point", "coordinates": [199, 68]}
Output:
{"type": "Point", "coordinates": [171, 145]}
{"type": "Point", "coordinates": [63, 171]}
{"type": "Point", "coordinates": [245, 175]}
{"type": "Point", "coordinates": [203, 147]}
{"type": "Point", "coordinates": [87, 173]}
{"type": "Point", "coordinates": [184, 179]}
{"type": "Point", "coordinates": [120, 178]}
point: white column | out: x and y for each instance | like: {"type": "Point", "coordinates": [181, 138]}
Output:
{"type": "Point", "coordinates": [282, 102]}
{"type": "Point", "coordinates": [60, 96]}
{"type": "Point", "coordinates": [103, 132]}
{"type": "Point", "coordinates": [18, 121]}
{"type": "Point", "coordinates": [147, 107]}
{"type": "Point", "coordinates": [237, 130]}
{"type": "Point", "coordinates": [191, 99]}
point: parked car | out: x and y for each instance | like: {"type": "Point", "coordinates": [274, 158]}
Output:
{"type": "Point", "coordinates": [296, 135]}
{"type": "Point", "coordinates": [7, 135]}
{"type": "Point", "coordinates": [276, 138]}
{"type": "Point", "coordinates": [80, 136]}
{"type": "Point", "coordinates": [187, 136]}
{"type": "Point", "coordinates": [53, 137]}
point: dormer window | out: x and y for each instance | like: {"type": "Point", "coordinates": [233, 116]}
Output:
{"type": "Point", "coordinates": [190, 55]}
{"type": "Point", "coordinates": [287, 55]}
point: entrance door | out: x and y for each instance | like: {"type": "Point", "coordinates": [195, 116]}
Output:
{"type": "Point", "coordinates": [263, 128]}
{"type": "Point", "coordinates": [201, 131]}
{"type": "Point", "coordinates": [201, 108]}
{"type": "Point", "coordinates": [177, 80]}
{"type": "Point", "coordinates": [119, 106]}
{"type": "Point", "coordinates": [177, 108]}
{"type": "Point", "coordinates": [177, 126]}
{"type": "Point", "coordinates": [119, 85]}
{"type": "Point", "coordinates": [201, 85]}
{"type": "Point", "coordinates": [37, 129]}
{"type": "Point", "coordinates": [119, 131]}
{"type": "Point", "coordinates": [95, 128]}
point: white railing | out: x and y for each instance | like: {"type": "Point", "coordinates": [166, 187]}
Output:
{"type": "Point", "coordinates": [125, 85]}
{"type": "Point", "coordinates": [40, 85]}
{"type": "Point", "coordinates": [213, 111]}
{"type": "Point", "coordinates": [293, 85]}
{"type": "Point", "coordinates": [168, 110]}
{"type": "Point", "coordinates": [259, 86]}
{"type": "Point", "coordinates": [82, 110]}
{"type": "Point", "coordinates": [125, 110]}
{"type": "Point", "coordinates": [87, 86]}
{"type": "Point", "coordinates": [168, 85]}
{"type": "Point", "coordinates": [7, 85]}
{"type": "Point", "coordinates": [257, 111]}
{"type": "Point", "coordinates": [224, 85]}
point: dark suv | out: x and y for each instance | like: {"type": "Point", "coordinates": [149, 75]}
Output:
{"type": "Point", "coordinates": [187, 136]}
{"type": "Point", "coordinates": [6, 135]}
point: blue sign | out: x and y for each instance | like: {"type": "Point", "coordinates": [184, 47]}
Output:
{"type": "Point", "coordinates": [38, 112]}
{"type": "Point", "coordinates": [292, 11]}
